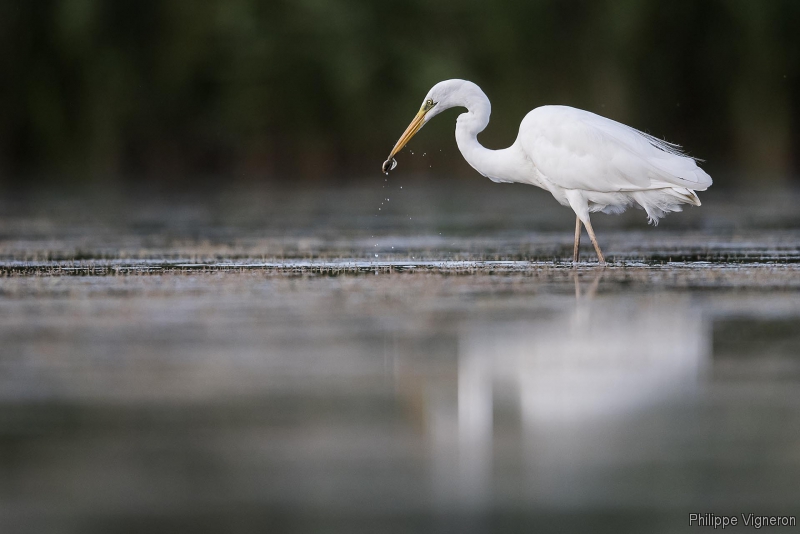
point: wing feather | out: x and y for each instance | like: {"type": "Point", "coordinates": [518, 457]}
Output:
{"type": "Point", "coordinates": [577, 149]}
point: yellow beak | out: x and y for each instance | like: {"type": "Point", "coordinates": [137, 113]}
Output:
{"type": "Point", "coordinates": [412, 129]}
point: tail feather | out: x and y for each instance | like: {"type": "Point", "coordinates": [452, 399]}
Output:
{"type": "Point", "coordinates": [658, 202]}
{"type": "Point", "coordinates": [686, 195]}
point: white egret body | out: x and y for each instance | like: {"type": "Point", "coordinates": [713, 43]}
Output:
{"type": "Point", "coordinates": [588, 162]}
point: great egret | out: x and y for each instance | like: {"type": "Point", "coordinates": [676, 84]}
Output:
{"type": "Point", "coordinates": [588, 162]}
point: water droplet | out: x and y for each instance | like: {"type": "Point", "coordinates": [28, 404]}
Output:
{"type": "Point", "coordinates": [376, 255]}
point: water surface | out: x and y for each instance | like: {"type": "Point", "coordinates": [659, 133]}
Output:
{"type": "Point", "coordinates": [202, 367]}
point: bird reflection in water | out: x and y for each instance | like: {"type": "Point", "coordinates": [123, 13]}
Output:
{"type": "Point", "coordinates": [566, 386]}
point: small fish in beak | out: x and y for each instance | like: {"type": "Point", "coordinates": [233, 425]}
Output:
{"type": "Point", "coordinates": [389, 165]}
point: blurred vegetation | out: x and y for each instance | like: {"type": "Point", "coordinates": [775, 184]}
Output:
{"type": "Point", "coordinates": [295, 90]}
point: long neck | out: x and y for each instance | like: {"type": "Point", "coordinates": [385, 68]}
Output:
{"type": "Point", "coordinates": [491, 163]}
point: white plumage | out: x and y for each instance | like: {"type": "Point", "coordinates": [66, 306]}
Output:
{"type": "Point", "coordinates": [588, 162]}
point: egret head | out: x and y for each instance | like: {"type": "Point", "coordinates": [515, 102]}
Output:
{"type": "Point", "coordinates": [444, 95]}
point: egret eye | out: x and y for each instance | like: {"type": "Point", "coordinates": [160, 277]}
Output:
{"type": "Point", "coordinates": [429, 103]}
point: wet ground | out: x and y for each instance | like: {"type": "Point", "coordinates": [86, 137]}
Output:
{"type": "Point", "coordinates": [300, 361]}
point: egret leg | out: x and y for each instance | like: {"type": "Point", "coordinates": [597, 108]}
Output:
{"type": "Point", "coordinates": [577, 239]}
{"type": "Point", "coordinates": [589, 229]}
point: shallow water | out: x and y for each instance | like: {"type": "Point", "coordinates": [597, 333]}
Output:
{"type": "Point", "coordinates": [201, 366]}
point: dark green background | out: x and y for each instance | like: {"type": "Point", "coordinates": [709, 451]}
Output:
{"type": "Point", "coordinates": [297, 91]}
